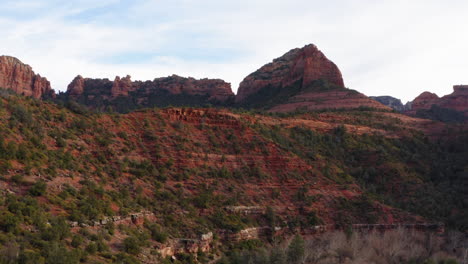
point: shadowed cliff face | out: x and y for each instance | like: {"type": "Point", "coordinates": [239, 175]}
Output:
{"type": "Point", "coordinates": [20, 78]}
{"type": "Point", "coordinates": [301, 79]}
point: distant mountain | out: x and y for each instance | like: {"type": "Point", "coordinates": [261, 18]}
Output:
{"type": "Point", "coordinates": [392, 102]}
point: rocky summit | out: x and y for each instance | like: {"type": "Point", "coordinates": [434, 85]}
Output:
{"type": "Point", "coordinates": [20, 78]}
{"type": "Point", "coordinates": [300, 79]}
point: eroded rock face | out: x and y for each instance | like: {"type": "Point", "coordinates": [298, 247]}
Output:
{"type": "Point", "coordinates": [121, 87]}
{"type": "Point", "coordinates": [307, 64]}
{"type": "Point", "coordinates": [20, 77]}
{"type": "Point", "coordinates": [76, 87]}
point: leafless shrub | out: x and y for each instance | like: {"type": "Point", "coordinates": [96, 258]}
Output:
{"type": "Point", "coordinates": [374, 247]}
{"type": "Point", "coordinates": [389, 247]}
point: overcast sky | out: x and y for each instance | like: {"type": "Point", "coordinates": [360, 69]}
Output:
{"type": "Point", "coordinates": [398, 48]}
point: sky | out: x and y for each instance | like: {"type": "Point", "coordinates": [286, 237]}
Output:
{"type": "Point", "coordinates": [397, 48]}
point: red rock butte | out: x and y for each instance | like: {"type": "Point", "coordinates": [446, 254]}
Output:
{"type": "Point", "coordinates": [457, 100]}
{"type": "Point", "coordinates": [20, 78]}
{"type": "Point", "coordinates": [303, 67]}
{"type": "Point", "coordinates": [308, 63]}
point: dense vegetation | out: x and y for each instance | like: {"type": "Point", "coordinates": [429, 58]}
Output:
{"type": "Point", "coordinates": [442, 114]}
{"type": "Point", "coordinates": [410, 173]}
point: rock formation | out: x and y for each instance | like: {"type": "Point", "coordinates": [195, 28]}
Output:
{"type": "Point", "coordinates": [300, 79]}
{"type": "Point", "coordinates": [307, 64]}
{"type": "Point", "coordinates": [20, 77]}
{"type": "Point", "coordinates": [458, 100]}
{"type": "Point", "coordinates": [173, 90]}
{"type": "Point", "coordinates": [121, 87]}
{"type": "Point", "coordinates": [217, 89]}
{"type": "Point", "coordinates": [76, 87]}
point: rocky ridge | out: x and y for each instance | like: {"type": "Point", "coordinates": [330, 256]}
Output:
{"type": "Point", "coordinates": [20, 78]}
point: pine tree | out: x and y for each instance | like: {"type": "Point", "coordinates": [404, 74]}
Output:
{"type": "Point", "coordinates": [296, 250]}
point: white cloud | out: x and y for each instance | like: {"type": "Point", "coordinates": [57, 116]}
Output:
{"type": "Point", "coordinates": [397, 48]}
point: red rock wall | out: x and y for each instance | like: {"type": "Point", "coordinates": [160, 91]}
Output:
{"type": "Point", "coordinates": [20, 77]}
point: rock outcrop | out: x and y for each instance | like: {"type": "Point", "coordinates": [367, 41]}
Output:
{"type": "Point", "coordinates": [457, 101]}
{"type": "Point", "coordinates": [300, 79]}
{"type": "Point", "coordinates": [20, 78]}
{"type": "Point", "coordinates": [173, 90]}
{"type": "Point", "coordinates": [121, 87]}
{"type": "Point", "coordinates": [76, 87]}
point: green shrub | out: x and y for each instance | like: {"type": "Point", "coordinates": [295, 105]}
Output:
{"type": "Point", "coordinates": [296, 250]}
{"type": "Point", "coordinates": [38, 189]}
{"type": "Point", "coordinates": [131, 245]}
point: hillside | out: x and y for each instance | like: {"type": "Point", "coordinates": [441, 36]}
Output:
{"type": "Point", "coordinates": [77, 185]}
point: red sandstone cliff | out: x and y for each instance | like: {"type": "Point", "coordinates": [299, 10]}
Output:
{"type": "Point", "coordinates": [76, 87]}
{"type": "Point", "coordinates": [20, 77]}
